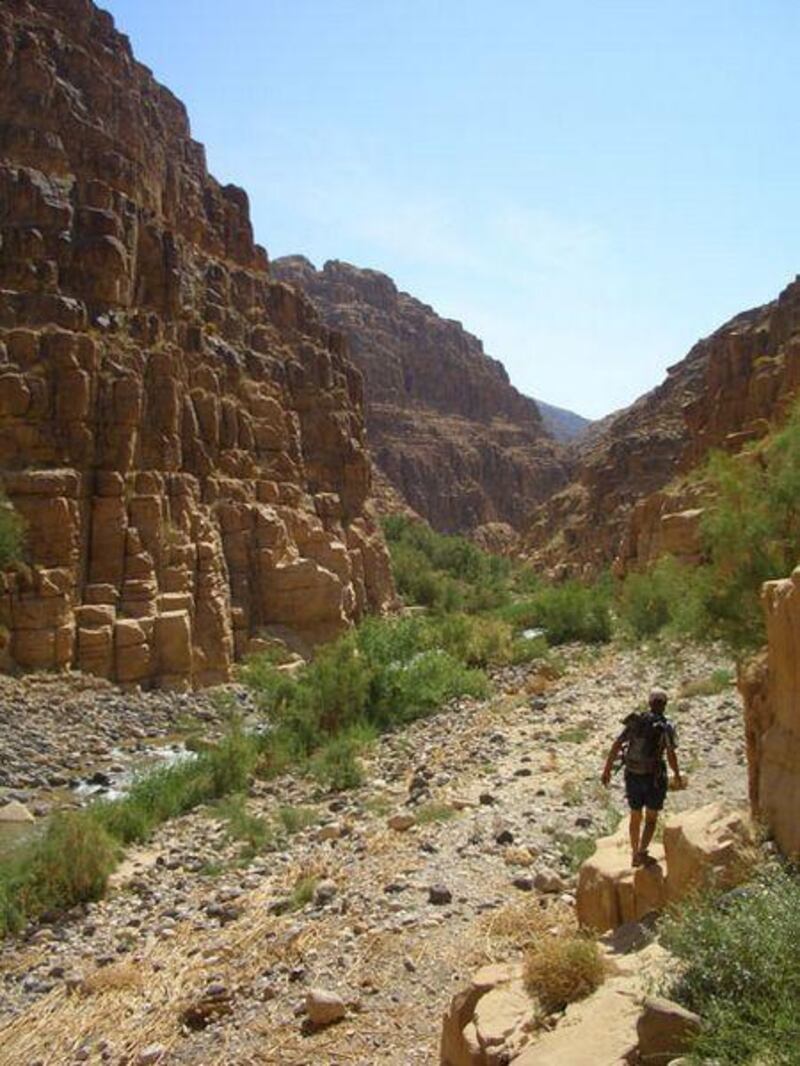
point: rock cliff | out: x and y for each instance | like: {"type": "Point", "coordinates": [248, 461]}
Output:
{"type": "Point", "coordinates": [629, 501]}
{"type": "Point", "coordinates": [445, 425]}
{"type": "Point", "coordinates": [770, 686]}
{"type": "Point", "coordinates": [182, 435]}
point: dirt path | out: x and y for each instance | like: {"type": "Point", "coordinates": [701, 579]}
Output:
{"type": "Point", "coordinates": [507, 792]}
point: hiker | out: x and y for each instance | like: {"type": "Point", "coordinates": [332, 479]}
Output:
{"type": "Point", "coordinates": [643, 743]}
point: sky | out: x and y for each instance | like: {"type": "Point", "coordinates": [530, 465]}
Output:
{"type": "Point", "coordinates": [588, 187]}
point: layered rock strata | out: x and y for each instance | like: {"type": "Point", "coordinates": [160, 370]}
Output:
{"type": "Point", "coordinates": [182, 435]}
{"type": "Point", "coordinates": [630, 500]}
{"type": "Point", "coordinates": [446, 427]}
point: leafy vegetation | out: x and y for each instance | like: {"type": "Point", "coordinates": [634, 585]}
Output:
{"type": "Point", "coordinates": [750, 534]}
{"type": "Point", "coordinates": [740, 970]}
{"type": "Point", "coordinates": [70, 861]}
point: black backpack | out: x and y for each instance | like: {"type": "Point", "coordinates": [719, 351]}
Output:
{"type": "Point", "coordinates": [646, 739]}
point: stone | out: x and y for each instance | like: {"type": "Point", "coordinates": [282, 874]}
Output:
{"type": "Point", "coordinates": [401, 822]}
{"type": "Point", "coordinates": [439, 895]}
{"type": "Point", "coordinates": [665, 1030]}
{"type": "Point", "coordinates": [153, 1053]}
{"type": "Point", "coordinates": [549, 882]}
{"type": "Point", "coordinates": [16, 813]}
{"type": "Point", "coordinates": [324, 1008]}
{"type": "Point", "coordinates": [707, 847]}
{"type": "Point", "coordinates": [478, 1033]}
{"type": "Point", "coordinates": [610, 891]}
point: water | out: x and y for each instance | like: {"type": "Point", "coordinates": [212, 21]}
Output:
{"type": "Point", "coordinates": [532, 634]}
{"type": "Point", "coordinates": [114, 784]}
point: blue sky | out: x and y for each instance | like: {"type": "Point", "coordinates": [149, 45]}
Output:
{"type": "Point", "coordinates": [589, 187]}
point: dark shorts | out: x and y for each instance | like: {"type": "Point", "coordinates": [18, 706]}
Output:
{"type": "Point", "coordinates": [645, 790]}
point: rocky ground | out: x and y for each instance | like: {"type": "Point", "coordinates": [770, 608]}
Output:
{"type": "Point", "coordinates": [461, 843]}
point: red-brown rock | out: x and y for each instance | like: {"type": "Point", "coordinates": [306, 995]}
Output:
{"type": "Point", "coordinates": [181, 433]}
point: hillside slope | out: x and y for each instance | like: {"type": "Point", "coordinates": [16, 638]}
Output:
{"type": "Point", "coordinates": [460, 444]}
{"type": "Point", "coordinates": [726, 392]}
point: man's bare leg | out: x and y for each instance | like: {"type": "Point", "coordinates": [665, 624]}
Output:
{"type": "Point", "coordinates": [635, 827]}
{"type": "Point", "coordinates": [650, 822]}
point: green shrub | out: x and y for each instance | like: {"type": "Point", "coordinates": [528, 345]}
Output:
{"type": "Point", "coordinates": [71, 860]}
{"type": "Point", "coordinates": [473, 640]}
{"type": "Point", "coordinates": [12, 533]}
{"type": "Point", "coordinates": [335, 765]}
{"type": "Point", "coordinates": [740, 970]}
{"type": "Point", "coordinates": [296, 819]}
{"type": "Point", "coordinates": [255, 832]}
{"type": "Point", "coordinates": [667, 597]}
{"type": "Point", "coordinates": [572, 611]}
{"type": "Point", "coordinates": [69, 863]}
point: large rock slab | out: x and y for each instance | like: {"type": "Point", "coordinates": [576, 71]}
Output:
{"type": "Point", "coordinates": [708, 847]}
{"type": "Point", "coordinates": [490, 1021]}
{"type": "Point", "coordinates": [771, 690]}
{"type": "Point", "coordinates": [610, 891]}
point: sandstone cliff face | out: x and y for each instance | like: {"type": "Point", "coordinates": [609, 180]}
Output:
{"type": "Point", "coordinates": [770, 686]}
{"type": "Point", "coordinates": [181, 433]}
{"type": "Point", "coordinates": [445, 426]}
{"type": "Point", "coordinates": [628, 501]}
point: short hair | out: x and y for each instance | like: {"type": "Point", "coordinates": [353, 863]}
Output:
{"type": "Point", "coordinates": [658, 697]}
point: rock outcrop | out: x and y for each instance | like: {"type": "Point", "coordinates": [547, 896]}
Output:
{"type": "Point", "coordinates": [629, 501]}
{"type": "Point", "coordinates": [770, 686]}
{"type": "Point", "coordinates": [181, 433]}
{"type": "Point", "coordinates": [445, 426]}
{"type": "Point", "coordinates": [707, 847]}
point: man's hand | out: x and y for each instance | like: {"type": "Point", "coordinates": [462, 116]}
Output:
{"type": "Point", "coordinates": [606, 777]}
{"type": "Point", "coordinates": [678, 783]}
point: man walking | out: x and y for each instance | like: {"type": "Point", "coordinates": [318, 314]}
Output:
{"type": "Point", "coordinates": [644, 743]}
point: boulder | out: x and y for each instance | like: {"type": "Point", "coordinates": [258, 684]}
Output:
{"type": "Point", "coordinates": [324, 1008]}
{"type": "Point", "coordinates": [15, 813]}
{"type": "Point", "coordinates": [611, 891]}
{"type": "Point", "coordinates": [665, 1030]}
{"type": "Point", "coordinates": [708, 846]}
{"type": "Point", "coordinates": [489, 1022]}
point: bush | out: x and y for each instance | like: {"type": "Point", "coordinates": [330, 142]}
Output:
{"type": "Point", "coordinates": [336, 764]}
{"type": "Point", "coordinates": [668, 596]}
{"type": "Point", "coordinates": [69, 863]}
{"type": "Point", "coordinates": [740, 970]}
{"type": "Point", "coordinates": [751, 531]}
{"type": "Point", "coordinates": [389, 672]}
{"type": "Point", "coordinates": [473, 640]}
{"type": "Point", "coordinates": [572, 611]}
{"type": "Point", "coordinates": [559, 971]}
{"type": "Point", "coordinates": [12, 534]}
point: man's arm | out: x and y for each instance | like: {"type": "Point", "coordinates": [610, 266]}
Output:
{"type": "Point", "coordinates": [616, 748]}
{"type": "Point", "coordinates": [672, 757]}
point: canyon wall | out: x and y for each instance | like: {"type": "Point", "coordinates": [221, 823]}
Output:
{"type": "Point", "coordinates": [631, 500]}
{"type": "Point", "coordinates": [447, 429]}
{"type": "Point", "coordinates": [770, 687]}
{"type": "Point", "coordinates": [181, 433]}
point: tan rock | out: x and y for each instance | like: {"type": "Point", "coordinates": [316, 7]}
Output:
{"type": "Point", "coordinates": [324, 1008]}
{"type": "Point", "coordinates": [665, 1030]}
{"type": "Point", "coordinates": [610, 891]}
{"type": "Point", "coordinates": [401, 821]}
{"type": "Point", "coordinates": [709, 846]}
{"type": "Point", "coordinates": [15, 812]}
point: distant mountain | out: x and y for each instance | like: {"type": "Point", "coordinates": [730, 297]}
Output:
{"type": "Point", "coordinates": [564, 425]}
{"type": "Point", "coordinates": [447, 429]}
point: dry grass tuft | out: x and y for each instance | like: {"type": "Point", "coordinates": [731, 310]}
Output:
{"type": "Point", "coordinates": [559, 971]}
{"type": "Point", "coordinates": [122, 977]}
{"type": "Point", "coordinates": [517, 925]}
